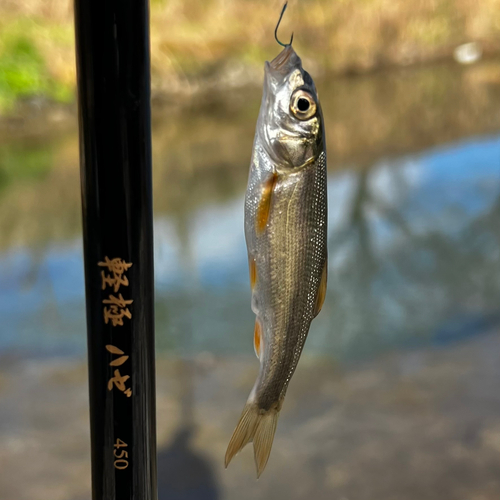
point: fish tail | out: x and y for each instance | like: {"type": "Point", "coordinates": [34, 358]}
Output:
{"type": "Point", "coordinates": [263, 438]}
{"type": "Point", "coordinates": [255, 425]}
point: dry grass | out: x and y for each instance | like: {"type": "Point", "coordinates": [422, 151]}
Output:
{"type": "Point", "coordinates": [223, 43]}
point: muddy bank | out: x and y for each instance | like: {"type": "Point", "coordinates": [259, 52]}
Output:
{"type": "Point", "coordinates": [412, 425]}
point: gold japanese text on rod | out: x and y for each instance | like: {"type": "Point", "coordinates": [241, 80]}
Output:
{"type": "Point", "coordinates": [115, 310]}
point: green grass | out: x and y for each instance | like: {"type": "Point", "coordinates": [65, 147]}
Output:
{"type": "Point", "coordinates": [192, 40]}
{"type": "Point", "coordinates": [24, 71]}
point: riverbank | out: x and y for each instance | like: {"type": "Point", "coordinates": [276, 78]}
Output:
{"type": "Point", "coordinates": [409, 425]}
{"type": "Point", "coordinates": [215, 45]}
{"type": "Point", "coordinates": [204, 144]}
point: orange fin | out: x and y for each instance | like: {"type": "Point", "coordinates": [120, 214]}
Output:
{"type": "Point", "coordinates": [253, 272]}
{"type": "Point", "coordinates": [264, 208]}
{"type": "Point", "coordinates": [257, 339]}
{"type": "Point", "coordinates": [320, 298]}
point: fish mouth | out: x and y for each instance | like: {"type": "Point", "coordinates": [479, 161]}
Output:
{"type": "Point", "coordinates": [286, 60]}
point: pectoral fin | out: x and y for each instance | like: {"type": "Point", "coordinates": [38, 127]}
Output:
{"type": "Point", "coordinates": [264, 207]}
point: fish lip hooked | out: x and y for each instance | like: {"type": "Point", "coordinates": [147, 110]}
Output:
{"type": "Point", "coordinates": [275, 75]}
{"type": "Point", "coordinates": [285, 61]}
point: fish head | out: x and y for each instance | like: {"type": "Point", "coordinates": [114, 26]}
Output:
{"type": "Point", "coordinates": [290, 126]}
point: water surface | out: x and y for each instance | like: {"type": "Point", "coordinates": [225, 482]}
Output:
{"type": "Point", "coordinates": [413, 221]}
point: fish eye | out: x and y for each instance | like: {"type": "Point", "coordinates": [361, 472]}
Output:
{"type": "Point", "coordinates": [303, 105]}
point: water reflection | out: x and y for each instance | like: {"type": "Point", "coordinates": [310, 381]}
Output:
{"type": "Point", "coordinates": [413, 251]}
{"type": "Point", "coordinates": [404, 264]}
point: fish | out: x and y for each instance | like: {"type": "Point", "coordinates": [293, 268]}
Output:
{"type": "Point", "coordinates": [286, 237]}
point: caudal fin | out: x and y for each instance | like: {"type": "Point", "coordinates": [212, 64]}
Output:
{"type": "Point", "coordinates": [258, 426]}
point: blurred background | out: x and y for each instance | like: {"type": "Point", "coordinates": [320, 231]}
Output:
{"type": "Point", "coordinates": [397, 393]}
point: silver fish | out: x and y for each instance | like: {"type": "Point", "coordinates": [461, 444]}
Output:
{"type": "Point", "coordinates": [286, 235]}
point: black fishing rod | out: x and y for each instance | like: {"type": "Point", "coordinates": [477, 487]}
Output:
{"type": "Point", "coordinates": [112, 49]}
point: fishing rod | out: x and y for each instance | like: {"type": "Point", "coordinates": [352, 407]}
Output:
{"type": "Point", "coordinates": [113, 67]}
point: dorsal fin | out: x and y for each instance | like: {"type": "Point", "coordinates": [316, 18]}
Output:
{"type": "Point", "coordinates": [320, 298]}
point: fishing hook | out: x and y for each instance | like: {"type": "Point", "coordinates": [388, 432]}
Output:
{"type": "Point", "coordinates": [277, 26]}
